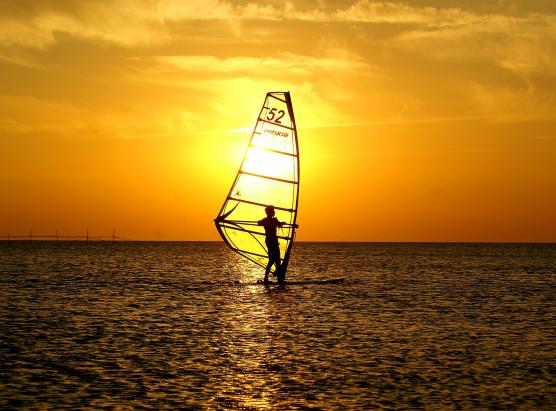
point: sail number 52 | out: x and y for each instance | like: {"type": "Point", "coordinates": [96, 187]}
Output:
{"type": "Point", "coordinates": [275, 116]}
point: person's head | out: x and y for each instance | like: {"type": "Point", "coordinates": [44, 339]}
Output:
{"type": "Point", "coordinates": [269, 211]}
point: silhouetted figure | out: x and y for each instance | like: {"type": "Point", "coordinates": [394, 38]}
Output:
{"type": "Point", "coordinates": [270, 224]}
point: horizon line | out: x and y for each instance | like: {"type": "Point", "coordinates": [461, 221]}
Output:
{"type": "Point", "coordinates": [109, 240]}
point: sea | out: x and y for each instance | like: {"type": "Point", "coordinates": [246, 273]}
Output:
{"type": "Point", "coordinates": [184, 325]}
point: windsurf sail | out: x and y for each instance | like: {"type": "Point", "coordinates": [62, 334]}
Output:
{"type": "Point", "coordinates": [268, 175]}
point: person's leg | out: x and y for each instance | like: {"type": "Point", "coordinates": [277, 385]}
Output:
{"type": "Point", "coordinates": [279, 273]}
{"type": "Point", "coordinates": [276, 263]}
{"type": "Point", "coordinates": [276, 259]}
{"type": "Point", "coordinates": [267, 270]}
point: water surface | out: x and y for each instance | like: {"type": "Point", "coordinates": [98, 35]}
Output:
{"type": "Point", "coordinates": [166, 325]}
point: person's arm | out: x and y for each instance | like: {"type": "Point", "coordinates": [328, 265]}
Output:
{"type": "Point", "coordinates": [282, 223]}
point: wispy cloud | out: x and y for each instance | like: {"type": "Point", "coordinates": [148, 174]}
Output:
{"type": "Point", "coordinates": [282, 66]}
{"type": "Point", "coordinates": [133, 22]}
{"type": "Point", "coordinates": [344, 72]}
{"type": "Point", "coordinates": [319, 81]}
{"type": "Point", "coordinates": [25, 116]}
{"type": "Point", "coordinates": [123, 22]}
{"type": "Point", "coordinates": [520, 44]}
{"type": "Point", "coordinates": [399, 13]}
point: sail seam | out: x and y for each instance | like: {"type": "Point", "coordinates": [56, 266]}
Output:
{"type": "Point", "coordinates": [290, 210]}
{"type": "Point", "coordinates": [275, 124]}
{"type": "Point", "coordinates": [251, 231]}
{"type": "Point", "coordinates": [268, 177]}
{"type": "Point", "coordinates": [274, 151]}
{"type": "Point", "coordinates": [239, 250]}
{"type": "Point", "coordinates": [277, 98]}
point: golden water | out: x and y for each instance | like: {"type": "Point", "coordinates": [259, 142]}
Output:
{"type": "Point", "coordinates": [164, 325]}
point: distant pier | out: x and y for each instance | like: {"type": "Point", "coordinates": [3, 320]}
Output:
{"type": "Point", "coordinates": [57, 236]}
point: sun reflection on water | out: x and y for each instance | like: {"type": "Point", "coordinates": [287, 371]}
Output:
{"type": "Point", "coordinates": [243, 342]}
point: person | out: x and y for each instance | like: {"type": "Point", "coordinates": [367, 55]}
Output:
{"type": "Point", "coordinates": [270, 224]}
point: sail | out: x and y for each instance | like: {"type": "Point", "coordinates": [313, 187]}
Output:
{"type": "Point", "coordinates": [268, 175]}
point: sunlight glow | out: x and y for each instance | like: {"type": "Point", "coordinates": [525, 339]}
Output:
{"type": "Point", "coordinates": [417, 120]}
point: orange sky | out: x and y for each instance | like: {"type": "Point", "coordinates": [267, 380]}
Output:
{"type": "Point", "coordinates": [417, 121]}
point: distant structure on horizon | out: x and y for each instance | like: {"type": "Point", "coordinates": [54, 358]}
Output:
{"type": "Point", "coordinates": [64, 237]}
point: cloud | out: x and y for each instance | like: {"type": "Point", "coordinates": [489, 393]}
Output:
{"type": "Point", "coordinates": [199, 71]}
{"type": "Point", "coordinates": [285, 65]}
{"type": "Point", "coordinates": [18, 60]}
{"type": "Point", "coordinates": [23, 115]}
{"type": "Point", "coordinates": [123, 22]}
{"type": "Point", "coordinates": [26, 116]}
{"type": "Point", "coordinates": [215, 10]}
{"type": "Point", "coordinates": [523, 45]}
{"type": "Point", "coordinates": [318, 80]}
{"type": "Point", "coordinates": [503, 103]}
{"type": "Point", "coordinates": [389, 12]}
{"type": "Point", "coordinates": [346, 58]}
{"type": "Point", "coordinates": [144, 22]}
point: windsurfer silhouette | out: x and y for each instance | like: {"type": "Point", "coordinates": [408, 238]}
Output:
{"type": "Point", "coordinates": [270, 224]}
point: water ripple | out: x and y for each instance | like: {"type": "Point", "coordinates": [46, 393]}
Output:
{"type": "Point", "coordinates": [178, 325]}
